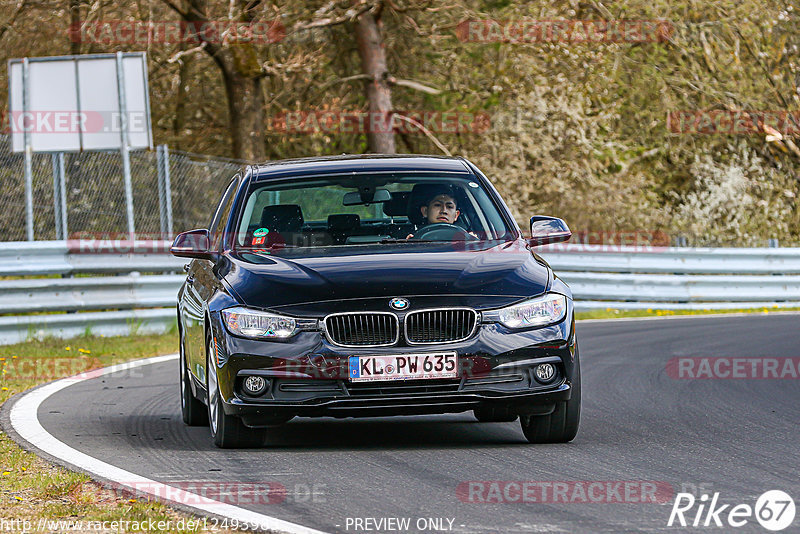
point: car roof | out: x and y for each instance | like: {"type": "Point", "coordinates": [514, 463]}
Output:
{"type": "Point", "coordinates": [366, 163]}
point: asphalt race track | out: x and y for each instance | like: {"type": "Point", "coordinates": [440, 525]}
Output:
{"type": "Point", "coordinates": [738, 437]}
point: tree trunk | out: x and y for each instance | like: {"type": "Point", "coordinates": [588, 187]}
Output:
{"type": "Point", "coordinates": [243, 75]}
{"type": "Point", "coordinates": [181, 106]}
{"type": "Point", "coordinates": [75, 25]}
{"type": "Point", "coordinates": [380, 132]}
{"type": "Point", "coordinates": [245, 115]}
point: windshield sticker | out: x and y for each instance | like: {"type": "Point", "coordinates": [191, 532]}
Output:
{"type": "Point", "coordinates": [258, 240]}
{"type": "Point", "coordinates": [261, 232]}
{"type": "Point", "coordinates": [473, 184]}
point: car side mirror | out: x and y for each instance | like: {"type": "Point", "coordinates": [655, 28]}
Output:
{"type": "Point", "coordinates": [545, 230]}
{"type": "Point", "coordinates": [193, 244]}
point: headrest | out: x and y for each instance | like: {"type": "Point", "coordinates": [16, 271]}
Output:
{"type": "Point", "coordinates": [398, 206]}
{"type": "Point", "coordinates": [421, 195]}
{"type": "Point", "coordinates": [344, 221]}
{"type": "Point", "coordinates": [282, 218]}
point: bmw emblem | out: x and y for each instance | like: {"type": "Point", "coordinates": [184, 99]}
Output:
{"type": "Point", "coordinates": [399, 303]}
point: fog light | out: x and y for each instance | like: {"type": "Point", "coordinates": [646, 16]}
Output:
{"type": "Point", "coordinates": [255, 385]}
{"type": "Point", "coordinates": [545, 373]}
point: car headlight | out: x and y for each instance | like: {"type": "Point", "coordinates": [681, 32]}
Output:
{"type": "Point", "coordinates": [539, 311]}
{"type": "Point", "coordinates": [256, 324]}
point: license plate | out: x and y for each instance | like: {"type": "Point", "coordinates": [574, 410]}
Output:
{"type": "Point", "coordinates": [403, 367]}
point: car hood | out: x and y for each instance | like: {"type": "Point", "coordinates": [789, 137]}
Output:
{"type": "Point", "coordinates": [484, 275]}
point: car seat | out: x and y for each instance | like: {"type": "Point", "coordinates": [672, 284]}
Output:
{"type": "Point", "coordinates": [343, 225]}
{"type": "Point", "coordinates": [284, 222]}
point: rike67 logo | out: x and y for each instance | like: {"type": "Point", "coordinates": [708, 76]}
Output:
{"type": "Point", "coordinates": [774, 510]}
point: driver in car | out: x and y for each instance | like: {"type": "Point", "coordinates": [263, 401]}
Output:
{"type": "Point", "coordinates": [440, 208]}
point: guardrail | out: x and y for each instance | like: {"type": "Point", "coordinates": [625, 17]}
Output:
{"type": "Point", "coordinates": [675, 278]}
{"type": "Point", "coordinates": [674, 260]}
{"type": "Point", "coordinates": [63, 301]}
{"type": "Point", "coordinates": [78, 294]}
{"type": "Point", "coordinates": [34, 258]}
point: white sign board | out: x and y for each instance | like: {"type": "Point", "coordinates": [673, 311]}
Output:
{"type": "Point", "coordinates": [74, 103]}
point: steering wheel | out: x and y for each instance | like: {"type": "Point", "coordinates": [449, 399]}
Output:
{"type": "Point", "coordinates": [444, 232]}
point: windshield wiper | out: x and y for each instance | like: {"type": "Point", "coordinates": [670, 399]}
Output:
{"type": "Point", "coordinates": [395, 240]}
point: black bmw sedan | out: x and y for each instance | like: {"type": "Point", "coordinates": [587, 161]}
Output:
{"type": "Point", "coordinates": [372, 286]}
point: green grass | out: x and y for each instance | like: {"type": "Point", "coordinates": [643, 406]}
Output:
{"type": "Point", "coordinates": [610, 313]}
{"type": "Point", "coordinates": [25, 365]}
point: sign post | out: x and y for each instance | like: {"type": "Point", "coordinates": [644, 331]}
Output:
{"type": "Point", "coordinates": [27, 147]}
{"type": "Point", "coordinates": [123, 138]}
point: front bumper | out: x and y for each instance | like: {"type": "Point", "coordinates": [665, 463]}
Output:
{"type": "Point", "coordinates": [308, 376]}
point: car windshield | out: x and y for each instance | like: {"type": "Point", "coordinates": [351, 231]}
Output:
{"type": "Point", "coordinates": [356, 210]}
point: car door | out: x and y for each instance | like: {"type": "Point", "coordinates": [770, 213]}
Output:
{"type": "Point", "coordinates": [204, 283]}
{"type": "Point", "coordinates": [191, 318]}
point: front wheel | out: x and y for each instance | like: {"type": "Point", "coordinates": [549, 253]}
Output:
{"type": "Point", "coordinates": [561, 426]}
{"type": "Point", "coordinates": [227, 431]}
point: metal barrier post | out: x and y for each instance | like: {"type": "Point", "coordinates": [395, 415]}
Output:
{"type": "Point", "coordinates": [164, 191]}
{"type": "Point", "coordinates": [63, 195]}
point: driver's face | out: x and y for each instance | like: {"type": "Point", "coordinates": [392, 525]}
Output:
{"type": "Point", "coordinates": [441, 209]}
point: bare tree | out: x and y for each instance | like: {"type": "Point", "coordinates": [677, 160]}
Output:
{"type": "Point", "coordinates": [242, 76]}
{"type": "Point", "coordinates": [380, 135]}
{"type": "Point", "coordinates": [75, 22]}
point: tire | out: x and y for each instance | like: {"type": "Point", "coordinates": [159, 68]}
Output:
{"type": "Point", "coordinates": [193, 411]}
{"type": "Point", "coordinates": [486, 414]}
{"type": "Point", "coordinates": [227, 431]}
{"type": "Point", "coordinates": [561, 426]}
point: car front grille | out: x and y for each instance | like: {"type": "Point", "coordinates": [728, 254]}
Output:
{"type": "Point", "coordinates": [440, 326]}
{"type": "Point", "coordinates": [379, 329]}
{"type": "Point", "coordinates": [362, 329]}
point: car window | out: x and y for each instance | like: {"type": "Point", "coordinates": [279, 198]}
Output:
{"type": "Point", "coordinates": [354, 210]}
{"type": "Point", "coordinates": [217, 226]}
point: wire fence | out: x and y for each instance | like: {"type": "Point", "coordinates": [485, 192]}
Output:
{"type": "Point", "coordinates": [174, 187]}
{"type": "Point", "coordinates": [75, 194]}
